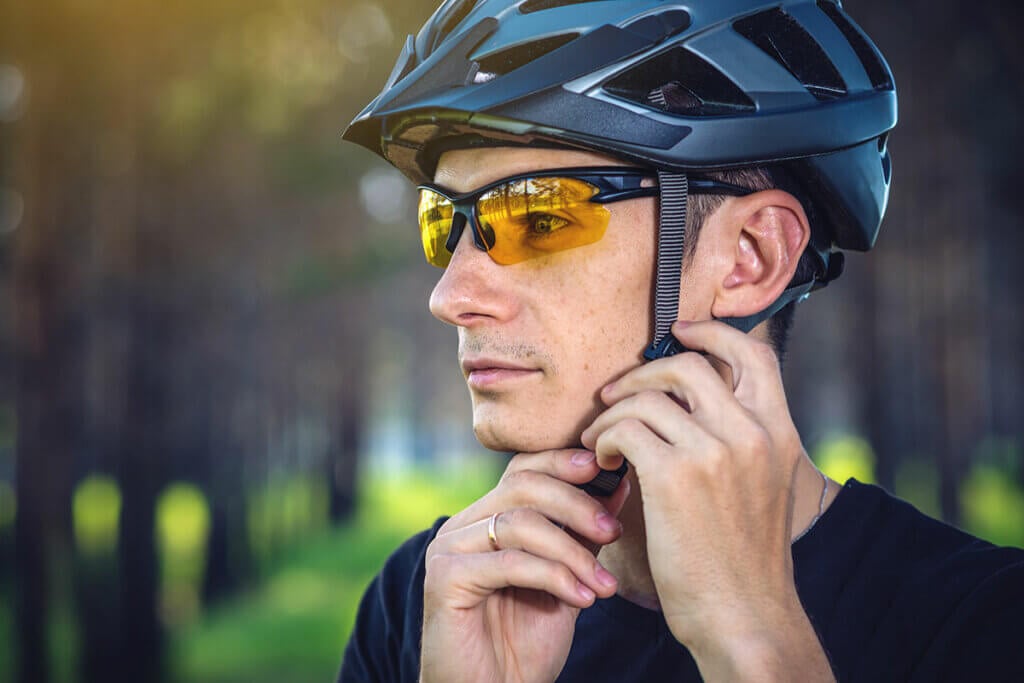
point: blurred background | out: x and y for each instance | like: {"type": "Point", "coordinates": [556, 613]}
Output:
{"type": "Point", "coordinates": [222, 399]}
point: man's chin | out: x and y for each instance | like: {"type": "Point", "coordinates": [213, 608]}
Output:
{"type": "Point", "coordinates": [541, 438]}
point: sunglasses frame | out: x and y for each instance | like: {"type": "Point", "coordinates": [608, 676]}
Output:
{"type": "Point", "coordinates": [614, 184]}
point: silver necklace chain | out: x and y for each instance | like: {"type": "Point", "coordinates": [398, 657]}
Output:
{"type": "Point", "coordinates": [821, 508]}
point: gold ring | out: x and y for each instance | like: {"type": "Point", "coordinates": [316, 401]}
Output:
{"type": "Point", "coordinates": [491, 535]}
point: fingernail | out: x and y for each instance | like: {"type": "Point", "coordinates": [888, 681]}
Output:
{"type": "Point", "coordinates": [585, 592]}
{"type": "Point", "coordinates": [682, 324]}
{"type": "Point", "coordinates": [581, 458]}
{"type": "Point", "coordinates": [607, 522]}
{"type": "Point", "coordinates": [604, 576]}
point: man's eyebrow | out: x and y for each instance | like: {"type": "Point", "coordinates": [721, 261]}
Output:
{"type": "Point", "coordinates": [448, 189]}
{"type": "Point", "coordinates": [455, 193]}
{"type": "Point", "coordinates": [443, 188]}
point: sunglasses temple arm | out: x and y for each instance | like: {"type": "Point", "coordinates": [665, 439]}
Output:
{"type": "Point", "coordinates": [697, 186]}
{"type": "Point", "coordinates": [620, 195]}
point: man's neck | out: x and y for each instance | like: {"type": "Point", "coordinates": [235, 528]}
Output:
{"type": "Point", "coordinates": [627, 557]}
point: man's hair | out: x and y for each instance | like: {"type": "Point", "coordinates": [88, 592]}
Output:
{"type": "Point", "coordinates": [701, 206]}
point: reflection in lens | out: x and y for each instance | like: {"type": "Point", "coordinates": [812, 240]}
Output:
{"type": "Point", "coordinates": [435, 216]}
{"type": "Point", "coordinates": [540, 216]}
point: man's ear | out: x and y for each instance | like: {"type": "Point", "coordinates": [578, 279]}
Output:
{"type": "Point", "coordinates": [762, 236]}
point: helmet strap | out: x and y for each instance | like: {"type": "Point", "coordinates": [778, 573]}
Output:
{"type": "Point", "coordinates": [671, 246]}
{"type": "Point", "coordinates": [671, 243]}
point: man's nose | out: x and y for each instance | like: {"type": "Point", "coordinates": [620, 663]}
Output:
{"type": "Point", "coordinates": [469, 291]}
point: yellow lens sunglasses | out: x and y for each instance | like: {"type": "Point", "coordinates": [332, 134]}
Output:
{"type": "Point", "coordinates": [535, 214]}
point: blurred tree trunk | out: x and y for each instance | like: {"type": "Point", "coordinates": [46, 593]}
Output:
{"type": "Point", "coordinates": [933, 278]}
{"type": "Point", "coordinates": [31, 487]}
{"type": "Point", "coordinates": [1002, 144]}
{"type": "Point", "coordinates": [218, 579]}
{"type": "Point", "coordinates": [217, 576]}
{"type": "Point", "coordinates": [97, 602]}
{"type": "Point", "coordinates": [343, 458]}
{"type": "Point", "coordinates": [226, 419]}
{"type": "Point", "coordinates": [227, 546]}
{"type": "Point", "coordinates": [141, 452]}
{"type": "Point", "coordinates": [882, 416]}
{"type": "Point", "coordinates": [48, 345]}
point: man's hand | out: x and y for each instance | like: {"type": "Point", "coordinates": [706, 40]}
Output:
{"type": "Point", "coordinates": [508, 614]}
{"type": "Point", "coordinates": [716, 465]}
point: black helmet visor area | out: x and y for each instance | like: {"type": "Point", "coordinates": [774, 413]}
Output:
{"type": "Point", "coordinates": [429, 156]}
{"type": "Point", "coordinates": [800, 87]}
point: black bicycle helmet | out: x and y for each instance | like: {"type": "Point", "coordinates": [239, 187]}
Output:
{"type": "Point", "coordinates": [687, 86]}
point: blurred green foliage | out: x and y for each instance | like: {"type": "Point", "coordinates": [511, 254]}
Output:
{"type": "Point", "coordinates": [293, 624]}
{"type": "Point", "coordinates": [991, 499]}
{"type": "Point", "coordinates": [285, 509]}
{"type": "Point", "coordinates": [993, 506]}
{"type": "Point", "coordinates": [96, 510]}
{"type": "Point", "coordinates": [844, 456]}
{"type": "Point", "coordinates": [8, 426]}
{"type": "Point", "coordinates": [6, 639]}
{"type": "Point", "coordinates": [63, 639]}
{"type": "Point", "coordinates": [293, 621]}
{"type": "Point", "coordinates": [8, 506]}
{"type": "Point", "coordinates": [182, 520]}
{"type": "Point", "coordinates": [917, 481]}
{"type": "Point", "coordinates": [182, 529]}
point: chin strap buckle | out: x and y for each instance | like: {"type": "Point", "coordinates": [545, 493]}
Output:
{"type": "Point", "coordinates": [606, 481]}
{"type": "Point", "coordinates": [667, 346]}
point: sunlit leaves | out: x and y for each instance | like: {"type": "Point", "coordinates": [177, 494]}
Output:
{"type": "Point", "coordinates": [96, 511]}
{"type": "Point", "coordinates": [183, 525]}
{"type": "Point", "coordinates": [845, 456]}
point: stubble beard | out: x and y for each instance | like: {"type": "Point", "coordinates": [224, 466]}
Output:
{"type": "Point", "coordinates": [515, 421]}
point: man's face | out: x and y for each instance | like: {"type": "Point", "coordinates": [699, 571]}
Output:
{"type": "Point", "coordinates": [540, 338]}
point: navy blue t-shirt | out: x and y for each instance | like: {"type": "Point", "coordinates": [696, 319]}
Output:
{"type": "Point", "coordinates": [893, 594]}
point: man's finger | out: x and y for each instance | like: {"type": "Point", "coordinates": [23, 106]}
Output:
{"type": "Point", "coordinates": [529, 531]}
{"type": "Point", "coordinates": [463, 581]}
{"type": "Point", "coordinates": [559, 501]}
{"type": "Point", "coordinates": [573, 465]}
{"type": "Point", "coordinates": [740, 351]}
{"type": "Point", "coordinates": [687, 376]}
{"type": "Point", "coordinates": [633, 440]}
{"type": "Point", "coordinates": [656, 409]}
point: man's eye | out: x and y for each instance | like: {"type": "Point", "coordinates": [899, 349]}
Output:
{"type": "Point", "coordinates": [544, 224]}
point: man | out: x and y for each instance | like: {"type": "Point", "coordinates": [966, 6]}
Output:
{"type": "Point", "coordinates": [559, 145]}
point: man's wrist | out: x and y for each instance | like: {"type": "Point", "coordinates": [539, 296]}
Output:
{"type": "Point", "coordinates": [783, 648]}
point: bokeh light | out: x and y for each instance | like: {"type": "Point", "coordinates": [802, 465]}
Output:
{"type": "Point", "coordinates": [96, 508]}
{"type": "Point", "coordinates": [12, 93]}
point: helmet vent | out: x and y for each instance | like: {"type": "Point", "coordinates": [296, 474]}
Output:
{"type": "Point", "coordinates": [540, 5]}
{"type": "Point", "coordinates": [679, 82]}
{"type": "Point", "coordinates": [782, 38]}
{"type": "Point", "coordinates": [876, 70]}
{"type": "Point", "coordinates": [658, 27]}
{"type": "Point", "coordinates": [456, 15]}
{"type": "Point", "coordinates": [510, 59]}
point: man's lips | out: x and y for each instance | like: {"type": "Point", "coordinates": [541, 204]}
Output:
{"type": "Point", "coordinates": [488, 373]}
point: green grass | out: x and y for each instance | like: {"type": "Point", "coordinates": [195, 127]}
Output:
{"type": "Point", "coordinates": [294, 625]}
